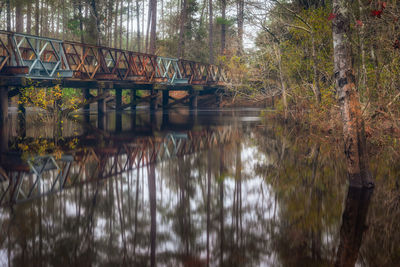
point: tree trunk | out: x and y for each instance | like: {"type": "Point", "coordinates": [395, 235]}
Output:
{"type": "Point", "coordinates": [210, 33]}
{"type": "Point", "coordinates": [128, 18]}
{"type": "Point", "coordinates": [223, 26]}
{"type": "Point", "coordinates": [19, 18]}
{"type": "Point", "coordinates": [95, 14]}
{"type": "Point", "coordinates": [353, 124]}
{"type": "Point", "coordinates": [317, 91]}
{"type": "Point", "coordinates": [109, 26]}
{"type": "Point", "coordinates": [153, 32]}
{"type": "Point", "coordinates": [45, 18]}
{"type": "Point", "coordinates": [120, 25]}
{"type": "Point", "coordinates": [37, 23]}
{"type": "Point", "coordinates": [148, 26]}
{"type": "Point", "coordinates": [240, 23]}
{"type": "Point", "coordinates": [282, 81]}
{"type": "Point", "coordinates": [116, 24]}
{"type": "Point", "coordinates": [138, 25]}
{"type": "Point", "coordinates": [29, 17]}
{"type": "Point", "coordinates": [182, 22]}
{"type": "Point", "coordinates": [9, 15]}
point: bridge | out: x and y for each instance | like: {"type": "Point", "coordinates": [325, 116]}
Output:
{"type": "Point", "coordinates": [28, 60]}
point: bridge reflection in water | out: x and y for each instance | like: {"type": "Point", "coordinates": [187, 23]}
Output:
{"type": "Point", "coordinates": [106, 154]}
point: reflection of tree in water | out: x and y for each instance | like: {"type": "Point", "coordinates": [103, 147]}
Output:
{"type": "Point", "coordinates": [381, 241]}
{"type": "Point", "coordinates": [353, 225]}
{"type": "Point", "coordinates": [308, 187]}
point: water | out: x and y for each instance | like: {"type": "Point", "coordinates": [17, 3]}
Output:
{"type": "Point", "coordinates": [191, 188]}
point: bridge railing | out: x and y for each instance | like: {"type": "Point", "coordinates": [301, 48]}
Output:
{"type": "Point", "coordinates": [39, 57]}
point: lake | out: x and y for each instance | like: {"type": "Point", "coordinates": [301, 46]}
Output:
{"type": "Point", "coordinates": [218, 187]}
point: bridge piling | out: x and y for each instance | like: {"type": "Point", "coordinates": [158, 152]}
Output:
{"type": "Point", "coordinates": [101, 103]}
{"type": "Point", "coordinates": [21, 116]}
{"type": "Point", "coordinates": [153, 100]}
{"type": "Point", "coordinates": [86, 97]}
{"type": "Point", "coordinates": [3, 119]}
{"type": "Point", "coordinates": [133, 99]}
{"type": "Point", "coordinates": [118, 110]}
{"type": "Point", "coordinates": [118, 122]}
{"type": "Point", "coordinates": [101, 110]}
{"type": "Point", "coordinates": [165, 99]}
{"type": "Point", "coordinates": [118, 100]}
{"type": "Point", "coordinates": [193, 99]}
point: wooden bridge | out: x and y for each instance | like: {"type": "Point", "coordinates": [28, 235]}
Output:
{"type": "Point", "coordinates": [27, 60]}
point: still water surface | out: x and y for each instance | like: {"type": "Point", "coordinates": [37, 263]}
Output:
{"type": "Point", "coordinates": [206, 188]}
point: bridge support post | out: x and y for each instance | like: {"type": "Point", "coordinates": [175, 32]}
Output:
{"type": "Point", "coordinates": [165, 119]}
{"type": "Point", "coordinates": [86, 97]}
{"type": "Point", "coordinates": [86, 108]}
{"type": "Point", "coordinates": [133, 99]}
{"type": "Point", "coordinates": [58, 125]}
{"type": "Point", "coordinates": [101, 110]}
{"type": "Point", "coordinates": [118, 107]}
{"type": "Point", "coordinates": [193, 99]}
{"type": "Point", "coordinates": [21, 117]}
{"type": "Point", "coordinates": [218, 99]}
{"type": "Point", "coordinates": [153, 100]}
{"type": "Point", "coordinates": [165, 98]}
{"type": "Point", "coordinates": [101, 103]}
{"type": "Point", "coordinates": [118, 99]}
{"type": "Point", "coordinates": [3, 119]}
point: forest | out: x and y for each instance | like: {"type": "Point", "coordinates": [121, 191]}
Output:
{"type": "Point", "coordinates": [280, 52]}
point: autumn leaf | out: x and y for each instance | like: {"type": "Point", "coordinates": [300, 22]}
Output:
{"type": "Point", "coordinates": [376, 13]}
{"type": "Point", "coordinates": [396, 44]}
{"type": "Point", "coordinates": [331, 16]}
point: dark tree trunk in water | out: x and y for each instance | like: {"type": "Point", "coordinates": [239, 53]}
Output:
{"type": "Point", "coordinates": [353, 225]}
{"type": "Point", "coordinates": [353, 124]}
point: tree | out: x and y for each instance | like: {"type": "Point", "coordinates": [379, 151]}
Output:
{"type": "Point", "coordinates": [153, 33]}
{"type": "Point", "coordinates": [353, 123]}
{"type": "Point", "coordinates": [240, 22]}
{"type": "Point", "coordinates": [223, 26]}
{"type": "Point", "coordinates": [210, 33]}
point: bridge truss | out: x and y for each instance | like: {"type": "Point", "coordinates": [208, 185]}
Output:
{"type": "Point", "coordinates": [38, 57]}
